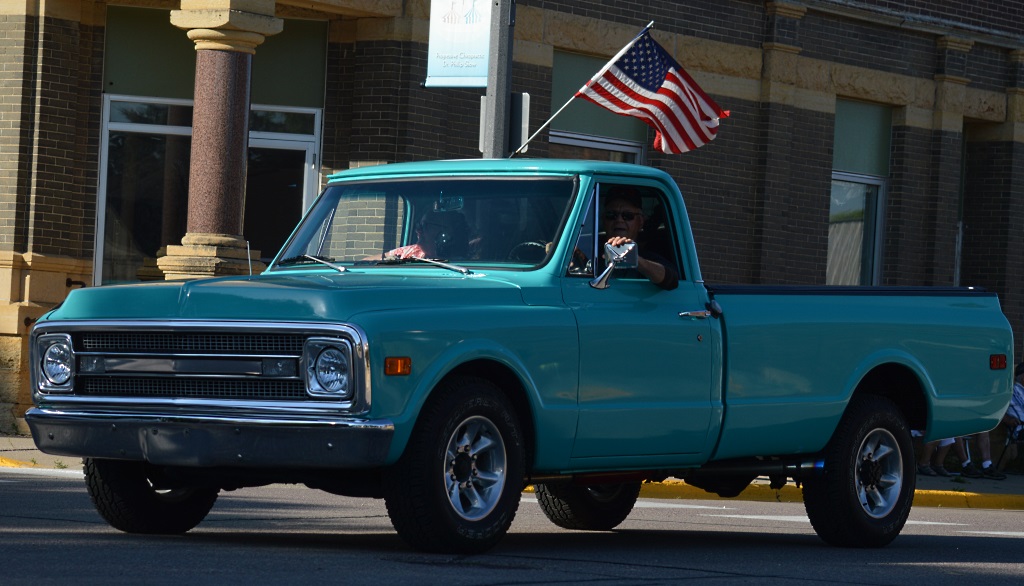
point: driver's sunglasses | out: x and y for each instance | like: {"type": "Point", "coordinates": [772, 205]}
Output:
{"type": "Point", "coordinates": [628, 216]}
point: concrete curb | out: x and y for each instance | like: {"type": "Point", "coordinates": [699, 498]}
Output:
{"type": "Point", "coordinates": [678, 490]}
{"type": "Point", "coordinates": [8, 463]}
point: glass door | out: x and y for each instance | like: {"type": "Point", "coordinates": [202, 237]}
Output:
{"type": "Point", "coordinates": [277, 193]}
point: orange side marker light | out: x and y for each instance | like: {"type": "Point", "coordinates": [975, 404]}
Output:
{"type": "Point", "coordinates": [397, 365]}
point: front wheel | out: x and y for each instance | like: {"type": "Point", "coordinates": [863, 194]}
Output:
{"type": "Point", "coordinates": [125, 497]}
{"type": "Point", "coordinates": [457, 487]}
{"type": "Point", "coordinates": [864, 495]}
{"type": "Point", "coordinates": [590, 508]}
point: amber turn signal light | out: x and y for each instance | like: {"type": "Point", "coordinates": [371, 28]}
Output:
{"type": "Point", "coordinates": [997, 361]}
{"type": "Point", "coordinates": [397, 365]}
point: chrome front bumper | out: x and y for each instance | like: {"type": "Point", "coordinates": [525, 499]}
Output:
{"type": "Point", "coordinates": [213, 441]}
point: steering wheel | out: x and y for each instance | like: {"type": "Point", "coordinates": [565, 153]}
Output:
{"type": "Point", "coordinates": [529, 251]}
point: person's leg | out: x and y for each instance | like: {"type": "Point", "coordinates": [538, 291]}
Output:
{"type": "Point", "coordinates": [967, 467]}
{"type": "Point", "coordinates": [939, 459]}
{"type": "Point", "coordinates": [984, 445]}
{"type": "Point", "coordinates": [984, 448]}
{"type": "Point", "coordinates": [925, 460]}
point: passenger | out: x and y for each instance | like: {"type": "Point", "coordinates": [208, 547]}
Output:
{"type": "Point", "coordinates": [438, 235]}
{"type": "Point", "coordinates": [623, 218]}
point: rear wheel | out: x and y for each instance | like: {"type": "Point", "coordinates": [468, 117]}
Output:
{"type": "Point", "coordinates": [125, 497]}
{"type": "Point", "coordinates": [590, 508]}
{"type": "Point", "coordinates": [457, 487]}
{"type": "Point", "coordinates": [864, 495]}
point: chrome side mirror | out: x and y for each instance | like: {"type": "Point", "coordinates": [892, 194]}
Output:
{"type": "Point", "coordinates": [615, 258]}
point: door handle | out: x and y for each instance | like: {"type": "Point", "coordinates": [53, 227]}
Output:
{"type": "Point", "coordinates": [702, 314]}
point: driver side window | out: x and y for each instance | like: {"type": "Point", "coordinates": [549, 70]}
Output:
{"type": "Point", "coordinates": [637, 213]}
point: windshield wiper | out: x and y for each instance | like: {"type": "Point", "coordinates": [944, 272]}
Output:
{"type": "Point", "coordinates": [394, 260]}
{"type": "Point", "coordinates": [307, 257]}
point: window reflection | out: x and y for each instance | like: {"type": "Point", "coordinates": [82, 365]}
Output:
{"type": "Point", "coordinates": [281, 122]}
{"type": "Point", "coordinates": [851, 233]}
{"type": "Point", "coordinates": [147, 194]}
{"type": "Point", "coordinates": [154, 114]}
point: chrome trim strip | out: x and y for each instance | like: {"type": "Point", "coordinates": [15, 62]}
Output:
{"type": "Point", "coordinates": [198, 366]}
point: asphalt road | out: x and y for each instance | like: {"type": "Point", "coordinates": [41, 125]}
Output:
{"type": "Point", "coordinates": [50, 534]}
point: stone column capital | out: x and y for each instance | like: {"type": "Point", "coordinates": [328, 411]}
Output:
{"type": "Point", "coordinates": [227, 25]}
{"type": "Point", "coordinates": [786, 9]}
{"type": "Point", "coordinates": [950, 43]}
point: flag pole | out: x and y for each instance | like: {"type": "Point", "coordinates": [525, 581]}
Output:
{"type": "Point", "coordinates": [590, 81]}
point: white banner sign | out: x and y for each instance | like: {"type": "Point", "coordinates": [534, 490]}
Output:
{"type": "Point", "coordinates": [460, 32]}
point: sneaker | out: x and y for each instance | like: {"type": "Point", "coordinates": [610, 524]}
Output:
{"type": "Point", "coordinates": [925, 470]}
{"type": "Point", "coordinates": [971, 471]}
{"type": "Point", "coordinates": [940, 471]}
{"type": "Point", "coordinates": [991, 472]}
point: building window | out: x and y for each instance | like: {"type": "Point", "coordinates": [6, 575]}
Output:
{"type": "Point", "coordinates": [572, 145]}
{"type": "Point", "coordinates": [584, 130]}
{"type": "Point", "coordinates": [143, 189]}
{"type": "Point", "coordinates": [860, 164]}
{"type": "Point", "coordinates": [853, 221]}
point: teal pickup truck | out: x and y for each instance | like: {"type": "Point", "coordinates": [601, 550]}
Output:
{"type": "Point", "coordinates": [443, 334]}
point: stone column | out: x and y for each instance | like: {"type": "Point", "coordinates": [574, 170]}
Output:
{"type": "Point", "coordinates": [226, 33]}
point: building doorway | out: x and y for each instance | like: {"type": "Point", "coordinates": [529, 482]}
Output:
{"type": "Point", "coordinates": [276, 193]}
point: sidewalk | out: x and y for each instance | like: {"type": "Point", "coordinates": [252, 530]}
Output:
{"type": "Point", "coordinates": [932, 491]}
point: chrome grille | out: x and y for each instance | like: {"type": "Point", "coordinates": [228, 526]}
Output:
{"type": "Point", "coordinates": [193, 342]}
{"type": "Point", "coordinates": [267, 390]}
{"type": "Point", "coordinates": [219, 378]}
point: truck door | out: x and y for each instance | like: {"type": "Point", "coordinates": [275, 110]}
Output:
{"type": "Point", "coordinates": [645, 371]}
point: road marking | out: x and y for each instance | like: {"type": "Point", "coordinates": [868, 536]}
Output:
{"type": "Point", "coordinates": [651, 504]}
{"type": "Point", "coordinates": [997, 533]}
{"type": "Point", "coordinates": [791, 518]}
{"type": "Point", "coordinates": [658, 505]}
{"type": "Point", "coordinates": [52, 472]}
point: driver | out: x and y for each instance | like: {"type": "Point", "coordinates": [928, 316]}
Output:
{"type": "Point", "coordinates": [622, 217]}
{"type": "Point", "coordinates": [438, 235]}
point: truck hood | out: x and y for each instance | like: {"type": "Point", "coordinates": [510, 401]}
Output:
{"type": "Point", "coordinates": [306, 296]}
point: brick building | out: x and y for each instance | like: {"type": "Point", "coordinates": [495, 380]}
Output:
{"type": "Point", "coordinates": [870, 141]}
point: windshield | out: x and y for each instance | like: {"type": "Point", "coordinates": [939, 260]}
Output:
{"type": "Point", "coordinates": [469, 221]}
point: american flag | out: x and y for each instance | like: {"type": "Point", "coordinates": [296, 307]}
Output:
{"type": "Point", "coordinates": [646, 82]}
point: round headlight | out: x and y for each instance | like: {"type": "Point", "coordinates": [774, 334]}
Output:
{"type": "Point", "coordinates": [58, 363]}
{"type": "Point", "coordinates": [332, 370]}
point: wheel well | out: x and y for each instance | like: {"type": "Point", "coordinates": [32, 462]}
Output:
{"type": "Point", "coordinates": [506, 380]}
{"type": "Point", "coordinates": [900, 385]}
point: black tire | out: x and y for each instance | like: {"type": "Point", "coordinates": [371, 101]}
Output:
{"type": "Point", "coordinates": [590, 508]}
{"type": "Point", "coordinates": [457, 487]}
{"type": "Point", "coordinates": [125, 498]}
{"type": "Point", "coordinates": [864, 495]}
